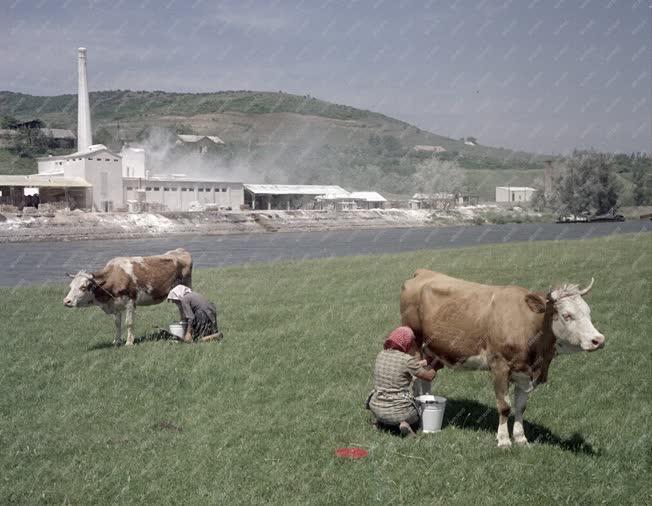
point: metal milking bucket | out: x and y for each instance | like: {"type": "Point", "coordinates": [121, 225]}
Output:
{"type": "Point", "coordinates": [432, 412]}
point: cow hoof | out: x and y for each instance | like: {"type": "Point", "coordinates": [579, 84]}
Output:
{"type": "Point", "coordinates": [118, 343]}
{"type": "Point", "coordinates": [504, 443]}
{"type": "Point", "coordinates": [129, 343]}
{"type": "Point", "coordinates": [522, 441]}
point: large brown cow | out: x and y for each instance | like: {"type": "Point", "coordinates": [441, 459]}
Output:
{"type": "Point", "coordinates": [126, 282]}
{"type": "Point", "coordinates": [508, 330]}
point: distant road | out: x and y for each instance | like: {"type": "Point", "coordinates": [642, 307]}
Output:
{"type": "Point", "coordinates": [44, 262]}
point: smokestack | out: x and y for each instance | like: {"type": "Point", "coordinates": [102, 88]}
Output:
{"type": "Point", "coordinates": [84, 135]}
{"type": "Point", "coordinates": [547, 177]}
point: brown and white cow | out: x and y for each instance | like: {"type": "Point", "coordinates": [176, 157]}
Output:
{"type": "Point", "coordinates": [510, 331]}
{"type": "Point", "coordinates": [126, 282]}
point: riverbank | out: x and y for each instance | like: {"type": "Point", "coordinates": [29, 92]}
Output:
{"type": "Point", "coordinates": [49, 225]}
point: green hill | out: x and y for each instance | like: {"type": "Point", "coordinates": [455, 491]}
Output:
{"type": "Point", "coordinates": [283, 136]}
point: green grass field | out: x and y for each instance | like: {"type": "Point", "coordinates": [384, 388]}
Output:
{"type": "Point", "coordinates": [257, 418]}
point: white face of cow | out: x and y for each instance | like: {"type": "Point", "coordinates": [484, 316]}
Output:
{"type": "Point", "coordinates": [571, 322]}
{"type": "Point", "coordinates": [81, 291]}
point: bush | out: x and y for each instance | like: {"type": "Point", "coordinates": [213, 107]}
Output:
{"type": "Point", "coordinates": [586, 183]}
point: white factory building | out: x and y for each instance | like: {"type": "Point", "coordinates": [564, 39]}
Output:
{"type": "Point", "coordinates": [94, 177]}
{"type": "Point", "coordinates": [94, 163]}
{"type": "Point", "coordinates": [97, 165]}
{"type": "Point", "coordinates": [514, 193]}
{"type": "Point", "coordinates": [179, 194]}
{"type": "Point", "coordinates": [116, 181]}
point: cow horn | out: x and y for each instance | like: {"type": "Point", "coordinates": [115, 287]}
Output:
{"type": "Point", "coordinates": [70, 275]}
{"type": "Point", "coordinates": [588, 288]}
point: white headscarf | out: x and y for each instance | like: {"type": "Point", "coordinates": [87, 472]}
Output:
{"type": "Point", "coordinates": [179, 292]}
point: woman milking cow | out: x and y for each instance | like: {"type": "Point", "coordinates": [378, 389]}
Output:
{"type": "Point", "coordinates": [197, 312]}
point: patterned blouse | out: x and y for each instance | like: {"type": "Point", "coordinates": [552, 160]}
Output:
{"type": "Point", "coordinates": [392, 401]}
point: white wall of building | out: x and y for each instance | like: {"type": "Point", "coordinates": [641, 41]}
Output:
{"type": "Point", "coordinates": [133, 162]}
{"type": "Point", "coordinates": [50, 166]}
{"type": "Point", "coordinates": [514, 194]}
{"type": "Point", "coordinates": [102, 169]}
{"type": "Point", "coordinates": [178, 195]}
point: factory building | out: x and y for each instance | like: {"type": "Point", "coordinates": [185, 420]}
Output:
{"type": "Point", "coordinates": [201, 144]}
{"type": "Point", "coordinates": [351, 200]}
{"type": "Point", "coordinates": [96, 178]}
{"type": "Point", "coordinates": [306, 196]}
{"type": "Point", "coordinates": [93, 163]}
{"type": "Point", "coordinates": [514, 193]}
{"type": "Point", "coordinates": [287, 196]}
{"type": "Point", "coordinates": [97, 165]}
{"type": "Point", "coordinates": [133, 162]}
{"type": "Point", "coordinates": [179, 194]}
{"type": "Point", "coordinates": [73, 192]}
{"type": "Point", "coordinates": [111, 181]}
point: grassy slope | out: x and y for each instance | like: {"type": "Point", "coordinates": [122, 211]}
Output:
{"type": "Point", "coordinates": [12, 164]}
{"type": "Point", "coordinates": [308, 140]}
{"type": "Point", "coordinates": [261, 414]}
{"type": "Point", "coordinates": [213, 113]}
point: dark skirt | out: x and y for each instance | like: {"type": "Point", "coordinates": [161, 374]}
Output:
{"type": "Point", "coordinates": [203, 325]}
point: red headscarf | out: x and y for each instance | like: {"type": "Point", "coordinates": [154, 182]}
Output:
{"type": "Point", "coordinates": [400, 339]}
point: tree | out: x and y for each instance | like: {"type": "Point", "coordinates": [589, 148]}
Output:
{"type": "Point", "coordinates": [442, 180]}
{"type": "Point", "coordinates": [8, 122]}
{"type": "Point", "coordinates": [375, 140]}
{"type": "Point", "coordinates": [641, 193]}
{"type": "Point", "coordinates": [391, 144]}
{"type": "Point", "coordinates": [538, 201]}
{"type": "Point", "coordinates": [586, 183]}
{"type": "Point", "coordinates": [103, 136]}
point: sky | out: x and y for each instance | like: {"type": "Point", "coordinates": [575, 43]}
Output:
{"type": "Point", "coordinates": [546, 76]}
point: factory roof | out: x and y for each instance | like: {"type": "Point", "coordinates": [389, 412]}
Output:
{"type": "Point", "coordinates": [91, 150]}
{"type": "Point", "coordinates": [368, 196]}
{"type": "Point", "coordinates": [40, 181]}
{"type": "Point", "coordinates": [433, 196]}
{"type": "Point", "coordinates": [516, 188]}
{"type": "Point", "coordinates": [295, 189]}
{"type": "Point", "coordinates": [197, 138]}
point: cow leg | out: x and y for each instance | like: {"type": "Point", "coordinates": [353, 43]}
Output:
{"type": "Point", "coordinates": [520, 400]}
{"type": "Point", "coordinates": [501, 389]}
{"type": "Point", "coordinates": [129, 320]}
{"type": "Point", "coordinates": [118, 328]}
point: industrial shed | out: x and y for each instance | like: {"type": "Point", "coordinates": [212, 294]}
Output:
{"type": "Point", "coordinates": [73, 192]}
{"type": "Point", "coordinates": [351, 200]}
{"type": "Point", "coordinates": [368, 200]}
{"type": "Point", "coordinates": [287, 196]}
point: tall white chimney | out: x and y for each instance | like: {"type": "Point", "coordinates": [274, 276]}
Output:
{"type": "Point", "coordinates": [84, 135]}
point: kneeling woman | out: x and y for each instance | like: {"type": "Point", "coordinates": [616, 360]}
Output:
{"type": "Point", "coordinates": [198, 312]}
{"type": "Point", "coordinates": [391, 401]}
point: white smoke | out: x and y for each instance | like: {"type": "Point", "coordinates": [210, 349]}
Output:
{"type": "Point", "coordinates": [167, 156]}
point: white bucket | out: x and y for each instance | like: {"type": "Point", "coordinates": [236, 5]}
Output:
{"type": "Point", "coordinates": [178, 329]}
{"type": "Point", "coordinates": [432, 415]}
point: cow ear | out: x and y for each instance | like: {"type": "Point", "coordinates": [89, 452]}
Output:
{"type": "Point", "coordinates": [535, 302]}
